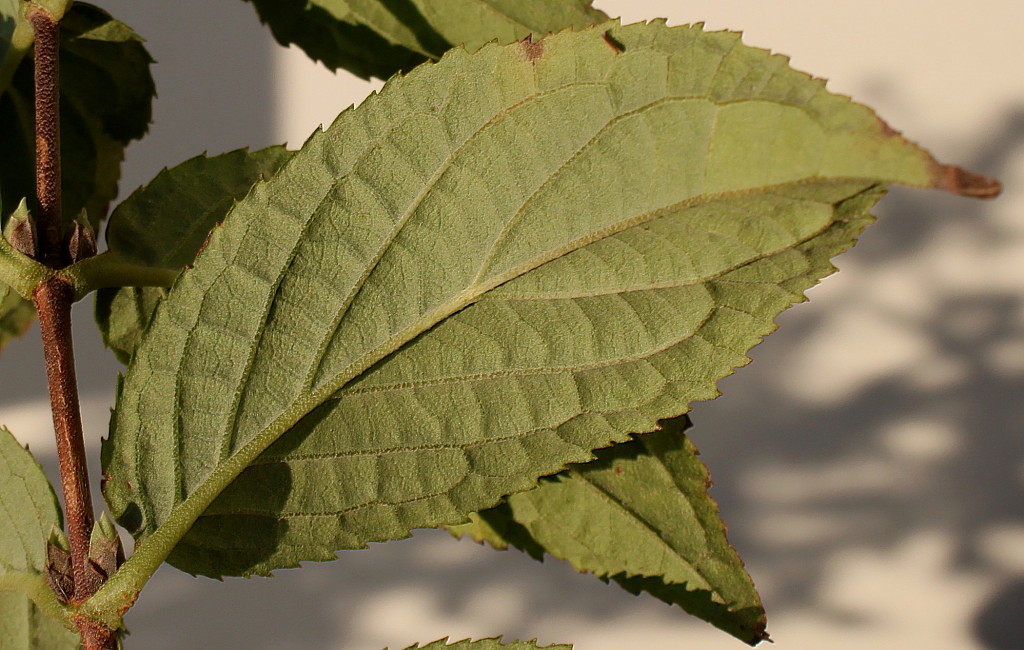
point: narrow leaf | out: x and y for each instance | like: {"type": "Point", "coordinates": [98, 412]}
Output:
{"type": "Point", "coordinates": [106, 93]}
{"type": "Point", "coordinates": [639, 514]}
{"type": "Point", "coordinates": [165, 223]}
{"type": "Point", "coordinates": [381, 37]}
{"type": "Point", "coordinates": [28, 513]}
{"type": "Point", "coordinates": [495, 266]}
{"type": "Point", "coordinates": [487, 644]}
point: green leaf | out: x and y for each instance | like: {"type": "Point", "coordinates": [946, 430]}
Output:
{"type": "Point", "coordinates": [16, 314]}
{"type": "Point", "coordinates": [15, 39]}
{"type": "Point", "coordinates": [495, 266]}
{"type": "Point", "coordinates": [123, 315]}
{"type": "Point", "coordinates": [487, 644]}
{"type": "Point", "coordinates": [106, 95]}
{"type": "Point", "coordinates": [639, 514]}
{"type": "Point", "coordinates": [164, 224]}
{"type": "Point", "coordinates": [381, 37]}
{"type": "Point", "coordinates": [28, 514]}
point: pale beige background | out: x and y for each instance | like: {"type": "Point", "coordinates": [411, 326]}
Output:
{"type": "Point", "coordinates": [870, 462]}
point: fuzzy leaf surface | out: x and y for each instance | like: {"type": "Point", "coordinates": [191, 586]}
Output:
{"type": "Point", "coordinates": [164, 224]}
{"type": "Point", "coordinates": [639, 514]}
{"type": "Point", "coordinates": [381, 37]}
{"type": "Point", "coordinates": [486, 644]}
{"type": "Point", "coordinates": [28, 513]}
{"type": "Point", "coordinates": [106, 95]}
{"type": "Point", "coordinates": [500, 263]}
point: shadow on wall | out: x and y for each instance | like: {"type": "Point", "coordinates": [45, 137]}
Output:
{"type": "Point", "coordinates": [964, 484]}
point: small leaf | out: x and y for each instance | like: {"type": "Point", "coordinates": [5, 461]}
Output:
{"type": "Point", "coordinates": [16, 315]}
{"type": "Point", "coordinates": [639, 514]}
{"type": "Point", "coordinates": [487, 644]}
{"type": "Point", "coordinates": [123, 315]}
{"type": "Point", "coordinates": [28, 515]}
{"type": "Point", "coordinates": [379, 38]}
{"type": "Point", "coordinates": [16, 312]}
{"type": "Point", "coordinates": [495, 266]}
{"type": "Point", "coordinates": [165, 223]}
{"type": "Point", "coordinates": [15, 39]}
{"type": "Point", "coordinates": [106, 93]}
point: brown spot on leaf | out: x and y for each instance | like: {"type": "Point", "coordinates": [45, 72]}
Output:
{"type": "Point", "coordinates": [532, 50]}
{"type": "Point", "coordinates": [613, 43]}
{"type": "Point", "coordinates": [965, 183]}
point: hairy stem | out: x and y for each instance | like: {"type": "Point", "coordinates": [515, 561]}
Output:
{"type": "Point", "coordinates": [47, 98]}
{"type": "Point", "coordinates": [53, 299]}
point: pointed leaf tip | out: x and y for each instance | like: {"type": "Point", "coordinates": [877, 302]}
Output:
{"type": "Point", "coordinates": [957, 180]}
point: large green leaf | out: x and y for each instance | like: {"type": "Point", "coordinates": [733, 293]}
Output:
{"type": "Point", "coordinates": [381, 37]}
{"type": "Point", "coordinates": [106, 93]}
{"type": "Point", "coordinates": [164, 224]}
{"type": "Point", "coordinates": [486, 644]}
{"type": "Point", "coordinates": [639, 514]}
{"type": "Point", "coordinates": [495, 266]}
{"type": "Point", "coordinates": [28, 514]}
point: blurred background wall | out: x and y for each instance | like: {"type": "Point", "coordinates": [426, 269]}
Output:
{"type": "Point", "coordinates": [869, 462]}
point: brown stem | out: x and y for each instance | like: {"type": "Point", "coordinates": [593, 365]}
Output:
{"type": "Point", "coordinates": [47, 88]}
{"type": "Point", "coordinates": [53, 299]}
{"type": "Point", "coordinates": [53, 302]}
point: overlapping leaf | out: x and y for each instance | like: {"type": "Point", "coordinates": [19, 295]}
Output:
{"type": "Point", "coordinates": [15, 39]}
{"type": "Point", "coordinates": [381, 37]}
{"type": "Point", "coordinates": [165, 223]}
{"type": "Point", "coordinates": [487, 644]}
{"type": "Point", "coordinates": [639, 514]}
{"type": "Point", "coordinates": [106, 92]}
{"type": "Point", "coordinates": [495, 266]}
{"type": "Point", "coordinates": [28, 514]}
{"type": "Point", "coordinates": [16, 314]}
{"type": "Point", "coordinates": [9, 16]}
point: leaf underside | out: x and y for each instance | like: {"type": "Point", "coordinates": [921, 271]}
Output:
{"type": "Point", "coordinates": [486, 644]}
{"type": "Point", "coordinates": [165, 223]}
{"type": "Point", "coordinates": [639, 514]}
{"type": "Point", "coordinates": [28, 513]}
{"type": "Point", "coordinates": [500, 263]}
{"type": "Point", "coordinates": [106, 94]}
{"type": "Point", "coordinates": [382, 37]}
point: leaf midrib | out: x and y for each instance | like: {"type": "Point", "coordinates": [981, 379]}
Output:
{"type": "Point", "coordinates": [650, 529]}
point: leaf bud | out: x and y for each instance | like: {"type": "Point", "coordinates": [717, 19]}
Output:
{"type": "Point", "coordinates": [83, 239]}
{"type": "Point", "coordinates": [20, 231]}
